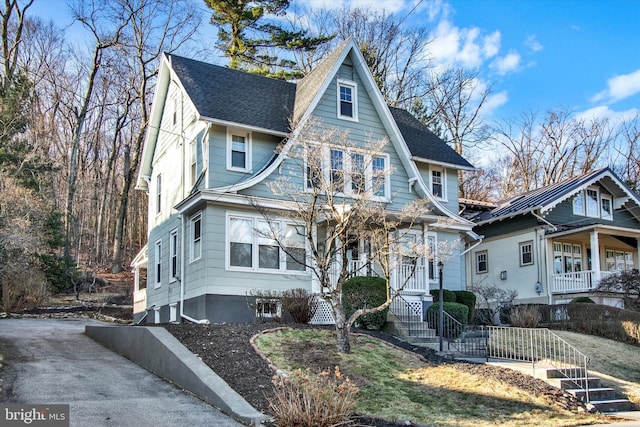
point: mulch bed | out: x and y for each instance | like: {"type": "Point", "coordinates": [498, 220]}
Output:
{"type": "Point", "coordinates": [227, 350]}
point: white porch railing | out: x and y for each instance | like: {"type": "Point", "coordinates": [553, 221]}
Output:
{"type": "Point", "coordinates": [579, 281]}
{"type": "Point", "coordinates": [416, 283]}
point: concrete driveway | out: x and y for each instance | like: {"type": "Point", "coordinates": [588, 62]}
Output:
{"type": "Point", "coordinates": [51, 361]}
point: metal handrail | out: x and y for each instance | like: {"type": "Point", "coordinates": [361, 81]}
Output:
{"type": "Point", "coordinates": [537, 345]}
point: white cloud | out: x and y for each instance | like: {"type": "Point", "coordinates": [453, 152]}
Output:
{"type": "Point", "coordinates": [438, 8]}
{"type": "Point", "coordinates": [509, 62]}
{"type": "Point", "coordinates": [464, 47]}
{"type": "Point", "coordinates": [619, 87]}
{"type": "Point", "coordinates": [532, 43]}
{"type": "Point", "coordinates": [604, 112]}
{"type": "Point", "coordinates": [493, 102]}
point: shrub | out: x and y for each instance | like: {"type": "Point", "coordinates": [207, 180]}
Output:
{"type": "Point", "coordinates": [23, 288]}
{"type": "Point", "coordinates": [482, 316]}
{"type": "Point", "coordinates": [460, 312]}
{"type": "Point", "coordinates": [586, 300]}
{"type": "Point", "coordinates": [265, 302]}
{"type": "Point", "coordinates": [322, 400]}
{"type": "Point", "coordinates": [447, 295]}
{"type": "Point", "coordinates": [467, 298]}
{"type": "Point", "coordinates": [605, 321]}
{"type": "Point", "coordinates": [365, 292]}
{"type": "Point", "coordinates": [525, 316]}
{"type": "Point", "coordinates": [300, 304]}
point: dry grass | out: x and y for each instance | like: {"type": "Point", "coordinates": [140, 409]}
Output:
{"type": "Point", "coordinates": [618, 364]}
{"type": "Point", "coordinates": [395, 385]}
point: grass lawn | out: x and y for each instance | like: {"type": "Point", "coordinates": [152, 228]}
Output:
{"type": "Point", "coordinates": [396, 385]}
{"type": "Point", "coordinates": [618, 364]}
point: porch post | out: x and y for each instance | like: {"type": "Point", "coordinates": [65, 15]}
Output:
{"type": "Point", "coordinates": [595, 258]}
{"type": "Point", "coordinates": [638, 254]}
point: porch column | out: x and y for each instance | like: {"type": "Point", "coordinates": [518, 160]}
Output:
{"type": "Point", "coordinates": [595, 257]}
{"type": "Point", "coordinates": [638, 254]}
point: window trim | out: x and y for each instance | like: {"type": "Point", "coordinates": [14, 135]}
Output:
{"type": "Point", "coordinates": [354, 99]}
{"type": "Point", "coordinates": [158, 194]}
{"type": "Point", "coordinates": [193, 162]}
{"type": "Point", "coordinates": [486, 262]}
{"type": "Point", "coordinates": [608, 198]}
{"type": "Point", "coordinates": [521, 245]}
{"type": "Point", "coordinates": [443, 177]}
{"type": "Point", "coordinates": [260, 302]}
{"type": "Point", "coordinates": [173, 255]}
{"type": "Point", "coordinates": [255, 245]}
{"type": "Point", "coordinates": [158, 264]}
{"type": "Point", "coordinates": [586, 202]}
{"type": "Point", "coordinates": [192, 239]}
{"type": "Point", "coordinates": [347, 184]}
{"type": "Point", "coordinates": [231, 132]}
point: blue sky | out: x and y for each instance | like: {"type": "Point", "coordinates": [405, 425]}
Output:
{"type": "Point", "coordinates": [579, 55]}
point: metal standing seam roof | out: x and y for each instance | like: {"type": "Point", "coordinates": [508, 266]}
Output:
{"type": "Point", "coordinates": [539, 198]}
{"type": "Point", "coordinates": [235, 96]}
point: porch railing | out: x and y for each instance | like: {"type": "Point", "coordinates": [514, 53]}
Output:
{"type": "Point", "coordinates": [416, 283]}
{"type": "Point", "coordinates": [539, 346]}
{"type": "Point", "coordinates": [579, 281]}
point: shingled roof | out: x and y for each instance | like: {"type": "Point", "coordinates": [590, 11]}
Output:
{"type": "Point", "coordinates": [546, 198]}
{"type": "Point", "coordinates": [425, 144]}
{"type": "Point", "coordinates": [224, 94]}
{"type": "Point", "coordinates": [229, 95]}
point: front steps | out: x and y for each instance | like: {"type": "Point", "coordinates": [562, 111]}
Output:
{"type": "Point", "coordinates": [604, 399]}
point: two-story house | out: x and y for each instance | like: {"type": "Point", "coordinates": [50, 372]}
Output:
{"type": "Point", "coordinates": [556, 243]}
{"type": "Point", "coordinates": [213, 146]}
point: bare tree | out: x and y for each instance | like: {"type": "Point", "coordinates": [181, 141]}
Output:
{"type": "Point", "coordinates": [541, 153]}
{"type": "Point", "coordinates": [337, 203]}
{"type": "Point", "coordinates": [629, 151]}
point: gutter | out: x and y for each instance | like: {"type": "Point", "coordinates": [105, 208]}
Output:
{"type": "Point", "coordinates": [544, 220]}
{"type": "Point", "coordinates": [182, 315]}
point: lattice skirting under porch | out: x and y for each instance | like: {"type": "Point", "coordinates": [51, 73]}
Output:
{"type": "Point", "coordinates": [323, 315]}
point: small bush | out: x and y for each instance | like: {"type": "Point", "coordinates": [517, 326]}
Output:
{"type": "Point", "coordinates": [365, 292]}
{"type": "Point", "coordinates": [460, 312]}
{"type": "Point", "coordinates": [447, 295]}
{"type": "Point", "coordinates": [322, 400]}
{"type": "Point", "coordinates": [586, 300]}
{"type": "Point", "coordinates": [467, 298]}
{"type": "Point", "coordinates": [482, 316]}
{"type": "Point", "coordinates": [23, 289]}
{"type": "Point", "coordinates": [525, 316]}
{"type": "Point", "coordinates": [300, 304]}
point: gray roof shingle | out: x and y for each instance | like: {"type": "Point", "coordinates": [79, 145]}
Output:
{"type": "Point", "coordinates": [423, 143]}
{"type": "Point", "coordinates": [234, 96]}
{"type": "Point", "coordinates": [225, 94]}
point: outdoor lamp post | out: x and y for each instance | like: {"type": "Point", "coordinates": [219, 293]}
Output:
{"type": "Point", "coordinates": [441, 302]}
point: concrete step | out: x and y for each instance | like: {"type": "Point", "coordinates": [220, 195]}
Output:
{"type": "Point", "coordinates": [563, 373]}
{"type": "Point", "coordinates": [567, 383]}
{"type": "Point", "coordinates": [599, 393]}
{"type": "Point", "coordinates": [615, 405]}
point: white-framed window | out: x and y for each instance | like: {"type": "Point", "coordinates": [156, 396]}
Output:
{"type": "Point", "coordinates": [196, 237]}
{"type": "Point", "coordinates": [193, 169]}
{"type": "Point", "coordinates": [174, 113]}
{"type": "Point", "coordinates": [173, 255]}
{"type": "Point", "coordinates": [591, 201]}
{"type": "Point", "coordinates": [526, 253]}
{"type": "Point", "coordinates": [617, 260]}
{"type": "Point", "coordinates": [482, 262]}
{"type": "Point", "coordinates": [350, 172]}
{"type": "Point", "coordinates": [156, 315]}
{"type": "Point", "coordinates": [158, 259]}
{"type": "Point", "coordinates": [253, 245]}
{"type": "Point", "coordinates": [567, 257]}
{"type": "Point", "coordinates": [606, 207]}
{"type": "Point", "coordinates": [438, 183]}
{"type": "Point", "coordinates": [578, 203]}
{"type": "Point", "coordinates": [238, 150]}
{"type": "Point", "coordinates": [432, 259]}
{"type": "Point", "coordinates": [158, 194]}
{"type": "Point", "coordinates": [268, 309]}
{"type": "Point", "coordinates": [347, 100]}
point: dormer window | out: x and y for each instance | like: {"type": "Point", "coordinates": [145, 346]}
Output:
{"type": "Point", "coordinates": [593, 203]}
{"type": "Point", "coordinates": [238, 151]}
{"type": "Point", "coordinates": [347, 100]}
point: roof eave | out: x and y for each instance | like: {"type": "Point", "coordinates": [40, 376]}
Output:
{"type": "Point", "coordinates": [444, 164]}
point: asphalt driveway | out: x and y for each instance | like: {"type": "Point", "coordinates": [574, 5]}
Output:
{"type": "Point", "coordinates": [51, 361]}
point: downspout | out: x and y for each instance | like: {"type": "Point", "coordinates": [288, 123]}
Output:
{"type": "Point", "coordinates": [546, 264]}
{"type": "Point", "coordinates": [472, 247]}
{"type": "Point", "coordinates": [182, 315]}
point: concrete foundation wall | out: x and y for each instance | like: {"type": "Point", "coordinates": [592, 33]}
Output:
{"type": "Point", "coordinates": [161, 353]}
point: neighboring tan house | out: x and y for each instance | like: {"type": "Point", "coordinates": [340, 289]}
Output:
{"type": "Point", "coordinates": [210, 151]}
{"type": "Point", "coordinates": [556, 243]}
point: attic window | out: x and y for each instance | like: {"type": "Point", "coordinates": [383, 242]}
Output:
{"type": "Point", "coordinates": [238, 151]}
{"type": "Point", "coordinates": [347, 100]}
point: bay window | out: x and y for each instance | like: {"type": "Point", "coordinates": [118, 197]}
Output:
{"type": "Point", "coordinates": [254, 244]}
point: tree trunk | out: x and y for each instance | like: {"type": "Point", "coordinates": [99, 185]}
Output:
{"type": "Point", "coordinates": [343, 328]}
